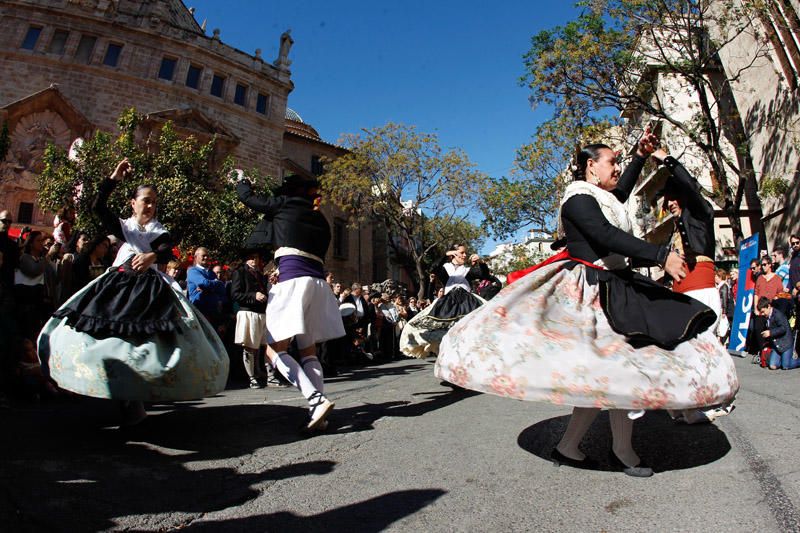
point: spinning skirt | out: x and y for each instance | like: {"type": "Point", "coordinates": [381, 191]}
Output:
{"type": "Point", "coordinates": [547, 338]}
{"type": "Point", "coordinates": [303, 306]}
{"type": "Point", "coordinates": [174, 355]}
{"type": "Point", "coordinates": [423, 333]}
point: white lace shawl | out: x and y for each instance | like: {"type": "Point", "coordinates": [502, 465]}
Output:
{"type": "Point", "coordinates": [612, 209]}
{"type": "Point", "coordinates": [138, 238]}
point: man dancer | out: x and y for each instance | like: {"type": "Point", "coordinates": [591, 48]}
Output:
{"type": "Point", "coordinates": [693, 238]}
{"type": "Point", "coordinates": [301, 305]}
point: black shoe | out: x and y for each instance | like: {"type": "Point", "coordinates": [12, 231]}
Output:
{"type": "Point", "coordinates": [559, 459]}
{"type": "Point", "coordinates": [640, 470]}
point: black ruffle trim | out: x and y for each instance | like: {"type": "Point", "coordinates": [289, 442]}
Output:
{"type": "Point", "coordinates": [124, 303]}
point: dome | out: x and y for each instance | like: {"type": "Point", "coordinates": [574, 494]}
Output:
{"type": "Point", "coordinates": [291, 114]}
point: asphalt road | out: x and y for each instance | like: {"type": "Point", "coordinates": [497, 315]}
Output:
{"type": "Point", "coordinates": [403, 453]}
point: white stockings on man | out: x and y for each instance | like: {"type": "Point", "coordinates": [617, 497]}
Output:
{"type": "Point", "coordinates": [293, 372]}
{"type": "Point", "coordinates": [313, 369]}
{"type": "Point", "coordinates": [621, 431]}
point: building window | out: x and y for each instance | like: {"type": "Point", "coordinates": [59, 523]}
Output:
{"type": "Point", "coordinates": [261, 104]}
{"type": "Point", "coordinates": [167, 69]}
{"type": "Point", "coordinates": [85, 49]}
{"type": "Point", "coordinates": [25, 213]}
{"type": "Point", "coordinates": [217, 85]}
{"type": "Point", "coordinates": [31, 37]}
{"type": "Point", "coordinates": [112, 54]}
{"type": "Point", "coordinates": [193, 76]}
{"type": "Point", "coordinates": [340, 238]}
{"type": "Point", "coordinates": [59, 42]}
{"type": "Point", "coordinates": [317, 168]}
{"type": "Point", "coordinates": [240, 96]}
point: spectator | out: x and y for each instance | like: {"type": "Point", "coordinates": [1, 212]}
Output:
{"type": "Point", "coordinates": [62, 225]}
{"type": "Point", "coordinates": [778, 335]}
{"type": "Point", "coordinates": [250, 289]}
{"type": "Point", "coordinates": [30, 287]}
{"type": "Point", "coordinates": [362, 307]}
{"type": "Point", "coordinates": [90, 263]}
{"type": "Point", "coordinates": [794, 273]}
{"type": "Point", "coordinates": [206, 292]}
{"type": "Point", "coordinates": [329, 278]}
{"type": "Point", "coordinates": [337, 290]}
{"type": "Point", "coordinates": [9, 249]}
{"type": "Point", "coordinates": [413, 308]}
{"type": "Point", "coordinates": [768, 284]}
{"type": "Point", "coordinates": [780, 260]}
{"type": "Point", "coordinates": [726, 303]}
{"type": "Point", "coordinates": [70, 252]}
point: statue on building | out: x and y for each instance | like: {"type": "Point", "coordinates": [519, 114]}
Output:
{"type": "Point", "coordinates": [283, 61]}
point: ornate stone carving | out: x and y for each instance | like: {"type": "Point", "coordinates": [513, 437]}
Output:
{"type": "Point", "coordinates": [29, 139]}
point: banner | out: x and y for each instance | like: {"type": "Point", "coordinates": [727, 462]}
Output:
{"type": "Point", "coordinates": [744, 296]}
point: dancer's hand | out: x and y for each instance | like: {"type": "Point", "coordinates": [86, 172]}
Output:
{"type": "Point", "coordinates": [675, 266]}
{"type": "Point", "coordinates": [123, 170]}
{"type": "Point", "coordinates": [261, 297]}
{"type": "Point", "coordinates": [765, 334]}
{"type": "Point", "coordinates": [142, 262]}
{"type": "Point", "coordinates": [660, 155]}
{"type": "Point", "coordinates": [474, 259]}
{"type": "Point", "coordinates": [648, 143]}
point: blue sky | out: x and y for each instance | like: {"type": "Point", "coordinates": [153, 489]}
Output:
{"type": "Point", "coordinates": [450, 67]}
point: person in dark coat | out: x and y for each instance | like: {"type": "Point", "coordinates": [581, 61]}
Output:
{"type": "Point", "coordinates": [779, 336]}
{"type": "Point", "coordinates": [302, 307]}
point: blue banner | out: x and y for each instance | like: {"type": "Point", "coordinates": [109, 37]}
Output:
{"type": "Point", "coordinates": [744, 295]}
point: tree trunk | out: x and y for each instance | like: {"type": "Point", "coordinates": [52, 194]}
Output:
{"type": "Point", "coordinates": [423, 280]}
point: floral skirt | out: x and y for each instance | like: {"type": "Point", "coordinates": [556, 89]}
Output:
{"type": "Point", "coordinates": [187, 363]}
{"type": "Point", "coordinates": [547, 338]}
{"type": "Point", "coordinates": [422, 334]}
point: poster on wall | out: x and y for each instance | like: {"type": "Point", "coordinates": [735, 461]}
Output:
{"type": "Point", "coordinates": [745, 294]}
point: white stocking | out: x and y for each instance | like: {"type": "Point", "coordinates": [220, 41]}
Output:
{"type": "Point", "coordinates": [291, 370]}
{"type": "Point", "coordinates": [313, 369]}
{"type": "Point", "coordinates": [622, 431]}
{"type": "Point", "coordinates": [579, 422]}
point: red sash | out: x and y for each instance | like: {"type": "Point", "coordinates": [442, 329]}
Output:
{"type": "Point", "coordinates": [563, 255]}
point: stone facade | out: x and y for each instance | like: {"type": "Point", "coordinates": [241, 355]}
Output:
{"type": "Point", "coordinates": [759, 72]}
{"type": "Point", "coordinates": [72, 66]}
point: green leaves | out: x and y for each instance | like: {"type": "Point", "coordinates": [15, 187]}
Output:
{"type": "Point", "coordinates": [402, 178]}
{"type": "Point", "coordinates": [196, 202]}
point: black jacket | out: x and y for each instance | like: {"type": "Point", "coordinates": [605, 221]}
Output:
{"type": "Point", "coordinates": [780, 334]}
{"type": "Point", "coordinates": [245, 283]}
{"type": "Point", "coordinates": [696, 223]}
{"type": "Point", "coordinates": [288, 221]}
{"type": "Point", "coordinates": [366, 307]}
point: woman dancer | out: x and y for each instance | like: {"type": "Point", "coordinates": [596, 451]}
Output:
{"type": "Point", "coordinates": [588, 332]}
{"type": "Point", "coordinates": [423, 333]}
{"type": "Point", "coordinates": [128, 335]}
{"type": "Point", "coordinates": [301, 305]}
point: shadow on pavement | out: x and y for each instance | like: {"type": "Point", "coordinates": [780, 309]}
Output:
{"type": "Point", "coordinates": [362, 417]}
{"type": "Point", "coordinates": [60, 470]}
{"type": "Point", "coordinates": [371, 515]}
{"type": "Point", "coordinates": [660, 442]}
{"type": "Point", "coordinates": [371, 372]}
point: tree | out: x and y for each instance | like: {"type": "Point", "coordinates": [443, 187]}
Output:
{"type": "Point", "coordinates": [607, 62]}
{"type": "Point", "coordinates": [530, 196]}
{"type": "Point", "coordinates": [195, 202]}
{"type": "Point", "coordinates": [403, 179]}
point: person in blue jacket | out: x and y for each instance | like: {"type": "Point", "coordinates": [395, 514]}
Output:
{"type": "Point", "coordinates": [205, 291]}
{"type": "Point", "coordinates": [779, 335]}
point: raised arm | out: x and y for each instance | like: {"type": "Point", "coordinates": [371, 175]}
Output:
{"type": "Point", "coordinates": [688, 184]}
{"type": "Point", "coordinates": [257, 202]}
{"type": "Point", "coordinates": [108, 219]}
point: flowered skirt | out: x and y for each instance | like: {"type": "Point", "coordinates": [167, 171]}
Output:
{"type": "Point", "coordinates": [422, 334]}
{"type": "Point", "coordinates": [183, 361]}
{"type": "Point", "coordinates": [546, 338]}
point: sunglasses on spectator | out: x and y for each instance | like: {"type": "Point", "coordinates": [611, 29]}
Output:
{"type": "Point", "coordinates": [795, 243]}
{"type": "Point", "coordinates": [766, 264]}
